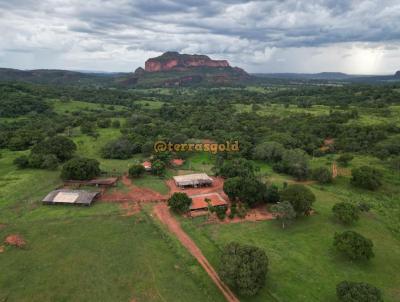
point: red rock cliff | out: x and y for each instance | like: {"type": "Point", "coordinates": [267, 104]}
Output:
{"type": "Point", "coordinates": [174, 61]}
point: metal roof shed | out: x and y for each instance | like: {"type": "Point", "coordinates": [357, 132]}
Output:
{"type": "Point", "coordinates": [76, 197]}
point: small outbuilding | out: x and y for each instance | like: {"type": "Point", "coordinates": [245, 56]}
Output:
{"type": "Point", "coordinates": [202, 201]}
{"type": "Point", "coordinates": [193, 180]}
{"type": "Point", "coordinates": [76, 197]}
{"type": "Point", "coordinates": [147, 165]}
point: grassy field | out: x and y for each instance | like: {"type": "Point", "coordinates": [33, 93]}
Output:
{"type": "Point", "coordinates": [99, 257]}
{"type": "Point", "coordinates": [90, 147]}
{"type": "Point", "coordinates": [304, 266]}
{"type": "Point", "coordinates": [152, 182]}
{"type": "Point", "coordinates": [96, 254]}
{"type": "Point", "coordinates": [88, 254]}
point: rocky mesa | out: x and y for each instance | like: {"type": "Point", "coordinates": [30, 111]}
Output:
{"type": "Point", "coordinates": [174, 61]}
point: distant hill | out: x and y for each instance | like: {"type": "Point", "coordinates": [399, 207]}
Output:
{"type": "Point", "coordinates": [397, 74]}
{"type": "Point", "coordinates": [175, 69]}
{"type": "Point", "coordinates": [61, 77]}
{"type": "Point", "coordinates": [329, 76]}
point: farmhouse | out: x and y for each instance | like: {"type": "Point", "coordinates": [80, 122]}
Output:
{"type": "Point", "coordinates": [177, 162]}
{"type": "Point", "coordinates": [193, 180]}
{"type": "Point", "coordinates": [64, 196]}
{"type": "Point", "coordinates": [147, 165]}
{"type": "Point", "coordinates": [201, 202]}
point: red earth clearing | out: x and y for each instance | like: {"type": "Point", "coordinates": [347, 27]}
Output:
{"type": "Point", "coordinates": [15, 240]}
{"type": "Point", "coordinates": [162, 213]}
{"type": "Point", "coordinates": [135, 193]}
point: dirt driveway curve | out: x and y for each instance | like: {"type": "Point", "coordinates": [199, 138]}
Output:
{"type": "Point", "coordinates": [162, 212]}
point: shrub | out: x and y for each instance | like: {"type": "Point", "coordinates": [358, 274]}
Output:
{"type": "Point", "coordinates": [322, 175]}
{"type": "Point", "coordinates": [179, 202]}
{"type": "Point", "coordinates": [233, 211]}
{"type": "Point", "coordinates": [104, 123]}
{"type": "Point", "coordinates": [345, 212]}
{"type": "Point", "coordinates": [241, 210]}
{"type": "Point", "coordinates": [136, 171]}
{"type": "Point", "coordinates": [116, 124]}
{"type": "Point", "coordinates": [353, 245]}
{"type": "Point", "coordinates": [221, 212]}
{"type": "Point", "coordinates": [22, 162]}
{"type": "Point", "coordinates": [364, 207]}
{"type": "Point", "coordinates": [244, 268]}
{"type": "Point", "coordinates": [80, 168]}
{"type": "Point", "coordinates": [272, 194]}
{"type": "Point", "coordinates": [300, 197]}
{"type": "Point", "coordinates": [344, 159]}
{"type": "Point", "coordinates": [347, 291]}
{"type": "Point", "coordinates": [366, 177]}
{"type": "Point", "coordinates": [50, 162]}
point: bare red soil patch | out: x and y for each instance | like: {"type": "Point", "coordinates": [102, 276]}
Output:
{"type": "Point", "coordinates": [134, 193]}
{"type": "Point", "coordinates": [15, 240]}
{"type": "Point", "coordinates": [130, 208]}
{"type": "Point", "coordinates": [162, 212]}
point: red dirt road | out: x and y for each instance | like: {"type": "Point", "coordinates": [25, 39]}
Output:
{"type": "Point", "coordinates": [135, 194]}
{"type": "Point", "coordinates": [162, 212]}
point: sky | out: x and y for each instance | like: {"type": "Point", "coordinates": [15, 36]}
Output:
{"type": "Point", "coordinates": [357, 37]}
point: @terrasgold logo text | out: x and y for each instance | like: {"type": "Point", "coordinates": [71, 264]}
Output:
{"type": "Point", "coordinates": [164, 146]}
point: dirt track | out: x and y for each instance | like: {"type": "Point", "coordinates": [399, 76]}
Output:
{"type": "Point", "coordinates": [134, 193]}
{"type": "Point", "coordinates": [162, 212]}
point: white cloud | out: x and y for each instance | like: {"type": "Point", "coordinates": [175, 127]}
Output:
{"type": "Point", "coordinates": [261, 36]}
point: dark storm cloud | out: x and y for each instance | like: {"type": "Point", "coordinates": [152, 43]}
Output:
{"type": "Point", "coordinates": [93, 28]}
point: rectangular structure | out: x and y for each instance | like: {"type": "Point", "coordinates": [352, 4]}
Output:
{"type": "Point", "coordinates": [64, 196]}
{"type": "Point", "coordinates": [202, 201]}
{"type": "Point", "coordinates": [193, 180]}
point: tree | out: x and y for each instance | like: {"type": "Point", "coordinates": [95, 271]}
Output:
{"type": "Point", "coordinates": [244, 268]}
{"type": "Point", "coordinates": [294, 162]}
{"type": "Point", "coordinates": [237, 167]}
{"type": "Point", "coordinates": [344, 159]}
{"type": "Point", "coordinates": [366, 177]}
{"type": "Point", "coordinates": [248, 190]}
{"type": "Point", "coordinates": [345, 212]}
{"type": "Point", "coordinates": [80, 168]}
{"type": "Point", "coordinates": [300, 197]}
{"type": "Point", "coordinates": [272, 194]}
{"type": "Point", "coordinates": [136, 171]}
{"type": "Point", "coordinates": [269, 151]}
{"type": "Point", "coordinates": [347, 291]}
{"type": "Point", "coordinates": [179, 202]}
{"type": "Point", "coordinates": [232, 187]}
{"type": "Point", "coordinates": [121, 148]}
{"type": "Point", "coordinates": [353, 245]}
{"type": "Point", "coordinates": [60, 146]}
{"type": "Point", "coordinates": [158, 167]}
{"type": "Point", "coordinates": [284, 212]}
{"type": "Point", "coordinates": [322, 175]}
